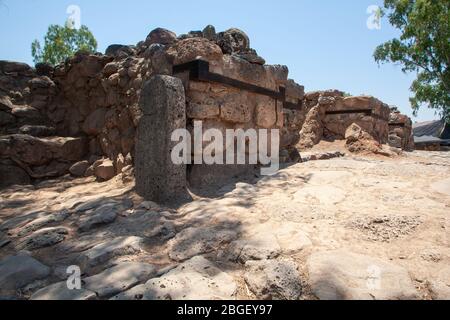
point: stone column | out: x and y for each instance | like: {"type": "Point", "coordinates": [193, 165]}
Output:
{"type": "Point", "coordinates": [163, 105]}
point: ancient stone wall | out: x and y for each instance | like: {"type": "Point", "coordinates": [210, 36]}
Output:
{"type": "Point", "coordinates": [400, 131]}
{"type": "Point", "coordinates": [91, 101]}
{"type": "Point", "coordinates": [81, 116]}
{"type": "Point", "coordinates": [329, 114]}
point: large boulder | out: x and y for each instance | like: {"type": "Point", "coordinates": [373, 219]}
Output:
{"type": "Point", "coordinates": [192, 49]}
{"type": "Point", "coordinates": [358, 140]}
{"type": "Point", "coordinates": [233, 41]}
{"type": "Point", "coordinates": [161, 36]}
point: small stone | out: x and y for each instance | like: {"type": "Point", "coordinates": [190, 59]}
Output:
{"type": "Point", "coordinates": [79, 168]}
{"type": "Point", "coordinates": [105, 170]}
{"type": "Point", "coordinates": [273, 279]}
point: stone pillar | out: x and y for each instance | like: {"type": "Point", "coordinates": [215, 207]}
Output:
{"type": "Point", "coordinates": [163, 105]}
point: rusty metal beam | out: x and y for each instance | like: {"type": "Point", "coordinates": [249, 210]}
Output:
{"type": "Point", "coordinates": [199, 71]}
{"type": "Point", "coordinates": [367, 112]}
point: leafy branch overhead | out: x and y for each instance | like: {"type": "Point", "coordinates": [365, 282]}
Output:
{"type": "Point", "coordinates": [62, 42]}
{"type": "Point", "coordinates": [423, 48]}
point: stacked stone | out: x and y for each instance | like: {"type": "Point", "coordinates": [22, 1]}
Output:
{"type": "Point", "coordinates": [400, 131]}
{"type": "Point", "coordinates": [320, 125]}
{"type": "Point", "coordinates": [94, 98]}
{"type": "Point", "coordinates": [293, 121]}
{"type": "Point", "coordinates": [29, 147]}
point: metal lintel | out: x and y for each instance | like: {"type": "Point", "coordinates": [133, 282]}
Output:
{"type": "Point", "coordinates": [199, 71]}
{"type": "Point", "coordinates": [397, 124]}
{"type": "Point", "coordinates": [367, 112]}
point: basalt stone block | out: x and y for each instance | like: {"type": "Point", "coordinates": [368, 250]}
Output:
{"type": "Point", "coordinates": [163, 104]}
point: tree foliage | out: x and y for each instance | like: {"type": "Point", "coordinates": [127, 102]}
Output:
{"type": "Point", "coordinates": [62, 42]}
{"type": "Point", "coordinates": [423, 47]}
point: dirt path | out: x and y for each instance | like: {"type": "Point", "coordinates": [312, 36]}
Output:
{"type": "Point", "coordinates": [390, 215]}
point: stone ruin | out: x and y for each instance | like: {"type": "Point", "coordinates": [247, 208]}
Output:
{"type": "Point", "coordinates": [82, 116]}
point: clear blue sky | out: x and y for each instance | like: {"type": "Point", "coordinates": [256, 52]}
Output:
{"type": "Point", "coordinates": [325, 43]}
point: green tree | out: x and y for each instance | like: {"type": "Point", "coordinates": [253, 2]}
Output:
{"type": "Point", "coordinates": [423, 48]}
{"type": "Point", "coordinates": [62, 42]}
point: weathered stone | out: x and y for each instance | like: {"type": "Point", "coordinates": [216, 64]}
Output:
{"type": "Point", "coordinates": [111, 68]}
{"type": "Point", "coordinates": [37, 131]}
{"type": "Point", "coordinates": [233, 41]}
{"type": "Point", "coordinates": [257, 247]}
{"type": "Point", "coordinates": [395, 141]}
{"type": "Point", "coordinates": [194, 241]}
{"type": "Point", "coordinates": [43, 221]}
{"type": "Point", "coordinates": [79, 168]}
{"type": "Point", "coordinates": [273, 279]}
{"type": "Point", "coordinates": [312, 130]}
{"type": "Point", "coordinates": [105, 170]}
{"type": "Point", "coordinates": [163, 104]}
{"type": "Point", "coordinates": [235, 113]}
{"type": "Point", "coordinates": [115, 49]}
{"type": "Point", "coordinates": [44, 69]}
{"type": "Point", "coordinates": [342, 275]}
{"type": "Point", "coordinates": [41, 151]}
{"type": "Point", "coordinates": [102, 252]}
{"type": "Point", "coordinates": [251, 56]}
{"type": "Point", "coordinates": [359, 140]}
{"type": "Point", "coordinates": [88, 204]}
{"type": "Point", "coordinates": [12, 175]}
{"type": "Point", "coordinates": [10, 66]}
{"type": "Point", "coordinates": [95, 122]}
{"type": "Point", "coordinates": [192, 49]}
{"type": "Point", "coordinates": [196, 279]}
{"type": "Point", "coordinates": [202, 111]}
{"type": "Point", "coordinates": [44, 238]}
{"type": "Point", "coordinates": [161, 36]}
{"type": "Point", "coordinates": [209, 32]}
{"type": "Point", "coordinates": [105, 214]}
{"type": "Point", "coordinates": [266, 114]}
{"type": "Point", "coordinates": [119, 278]}
{"type": "Point", "coordinates": [60, 291]}
{"type": "Point", "coordinates": [19, 270]}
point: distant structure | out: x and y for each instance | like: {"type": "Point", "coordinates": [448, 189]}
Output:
{"type": "Point", "coordinates": [431, 135]}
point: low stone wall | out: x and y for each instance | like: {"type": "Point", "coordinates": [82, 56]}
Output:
{"type": "Point", "coordinates": [329, 114]}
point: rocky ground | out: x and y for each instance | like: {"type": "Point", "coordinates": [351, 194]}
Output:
{"type": "Point", "coordinates": [349, 227]}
